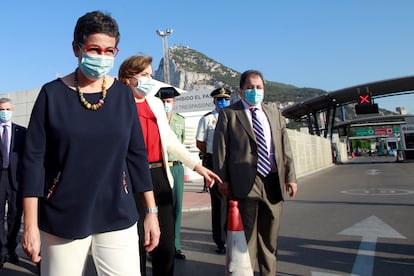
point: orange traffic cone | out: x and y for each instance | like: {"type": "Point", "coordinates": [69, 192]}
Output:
{"type": "Point", "coordinates": [237, 259]}
{"type": "Point", "coordinates": [186, 175]}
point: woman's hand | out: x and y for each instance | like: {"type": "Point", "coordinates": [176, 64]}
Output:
{"type": "Point", "coordinates": [31, 243]}
{"type": "Point", "coordinates": [152, 231]}
{"type": "Point", "coordinates": [209, 176]}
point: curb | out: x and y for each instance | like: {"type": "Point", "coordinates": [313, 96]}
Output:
{"type": "Point", "coordinates": [196, 209]}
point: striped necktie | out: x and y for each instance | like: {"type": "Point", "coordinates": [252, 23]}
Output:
{"type": "Point", "coordinates": [263, 164]}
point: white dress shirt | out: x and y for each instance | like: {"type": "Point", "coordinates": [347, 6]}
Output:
{"type": "Point", "coordinates": [261, 116]}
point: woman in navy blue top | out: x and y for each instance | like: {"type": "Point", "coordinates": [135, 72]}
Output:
{"type": "Point", "coordinates": [85, 158]}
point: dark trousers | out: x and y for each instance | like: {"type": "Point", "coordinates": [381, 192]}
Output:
{"type": "Point", "coordinates": [163, 256]}
{"type": "Point", "coordinates": [219, 209]}
{"type": "Point", "coordinates": [8, 239]}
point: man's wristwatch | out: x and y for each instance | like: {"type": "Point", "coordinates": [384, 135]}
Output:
{"type": "Point", "coordinates": [151, 210]}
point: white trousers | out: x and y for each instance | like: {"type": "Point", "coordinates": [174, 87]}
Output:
{"type": "Point", "coordinates": [114, 253]}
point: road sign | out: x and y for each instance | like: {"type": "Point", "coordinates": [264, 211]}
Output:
{"type": "Point", "coordinates": [365, 132]}
{"type": "Point", "coordinates": [377, 131]}
{"type": "Point", "coordinates": [380, 131]}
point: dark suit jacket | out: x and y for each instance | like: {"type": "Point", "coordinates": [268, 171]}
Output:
{"type": "Point", "coordinates": [235, 149]}
{"type": "Point", "coordinates": [15, 155]}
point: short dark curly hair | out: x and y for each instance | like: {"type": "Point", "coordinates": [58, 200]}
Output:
{"type": "Point", "coordinates": [93, 23]}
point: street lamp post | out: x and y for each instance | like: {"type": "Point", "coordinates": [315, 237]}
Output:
{"type": "Point", "coordinates": [164, 36]}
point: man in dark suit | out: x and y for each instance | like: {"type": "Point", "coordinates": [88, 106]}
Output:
{"type": "Point", "coordinates": [11, 146]}
{"type": "Point", "coordinates": [256, 167]}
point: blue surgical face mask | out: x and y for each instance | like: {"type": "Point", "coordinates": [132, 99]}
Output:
{"type": "Point", "coordinates": [222, 103]}
{"type": "Point", "coordinates": [254, 96]}
{"type": "Point", "coordinates": [168, 107]}
{"type": "Point", "coordinates": [144, 87]}
{"type": "Point", "coordinates": [5, 115]}
{"type": "Point", "coordinates": [96, 66]}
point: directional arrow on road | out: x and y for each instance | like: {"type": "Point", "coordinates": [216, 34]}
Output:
{"type": "Point", "coordinates": [373, 172]}
{"type": "Point", "coordinates": [370, 229]}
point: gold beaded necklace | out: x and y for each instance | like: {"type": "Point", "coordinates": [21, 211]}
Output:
{"type": "Point", "coordinates": [84, 101]}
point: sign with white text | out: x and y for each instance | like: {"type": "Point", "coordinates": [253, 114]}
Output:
{"type": "Point", "coordinates": [194, 101]}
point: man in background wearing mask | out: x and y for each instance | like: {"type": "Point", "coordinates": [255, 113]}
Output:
{"type": "Point", "coordinates": [12, 145]}
{"type": "Point", "coordinates": [204, 142]}
{"type": "Point", "coordinates": [252, 155]}
{"type": "Point", "coordinates": [177, 124]}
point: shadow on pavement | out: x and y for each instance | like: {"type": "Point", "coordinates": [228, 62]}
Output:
{"type": "Point", "coordinates": [340, 255]}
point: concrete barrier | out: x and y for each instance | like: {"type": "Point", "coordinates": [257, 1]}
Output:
{"type": "Point", "coordinates": [312, 153]}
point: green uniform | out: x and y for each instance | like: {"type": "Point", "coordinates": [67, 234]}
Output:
{"type": "Point", "coordinates": [177, 124]}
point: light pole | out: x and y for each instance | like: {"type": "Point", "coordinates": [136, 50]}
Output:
{"type": "Point", "coordinates": [164, 36]}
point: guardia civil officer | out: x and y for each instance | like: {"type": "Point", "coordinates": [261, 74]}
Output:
{"type": "Point", "coordinates": [177, 124]}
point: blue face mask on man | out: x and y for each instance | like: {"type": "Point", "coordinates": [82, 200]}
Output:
{"type": "Point", "coordinates": [254, 96]}
{"type": "Point", "coordinates": [222, 103]}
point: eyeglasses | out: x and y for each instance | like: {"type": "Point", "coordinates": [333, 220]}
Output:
{"type": "Point", "coordinates": [97, 50]}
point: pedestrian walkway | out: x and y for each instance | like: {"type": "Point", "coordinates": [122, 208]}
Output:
{"type": "Point", "coordinates": [194, 199]}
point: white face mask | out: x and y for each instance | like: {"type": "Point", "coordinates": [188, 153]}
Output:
{"type": "Point", "coordinates": [145, 87]}
{"type": "Point", "coordinates": [95, 67]}
{"type": "Point", "coordinates": [168, 107]}
{"type": "Point", "coordinates": [5, 115]}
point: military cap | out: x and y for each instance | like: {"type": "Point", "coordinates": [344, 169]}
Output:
{"type": "Point", "coordinates": [167, 92]}
{"type": "Point", "coordinates": [220, 93]}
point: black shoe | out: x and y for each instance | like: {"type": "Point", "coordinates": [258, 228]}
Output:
{"type": "Point", "coordinates": [221, 250]}
{"type": "Point", "coordinates": [204, 190]}
{"type": "Point", "coordinates": [12, 258]}
{"type": "Point", "coordinates": [179, 255]}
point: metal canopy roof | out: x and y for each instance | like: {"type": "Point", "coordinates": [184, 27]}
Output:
{"type": "Point", "coordinates": [349, 95]}
{"type": "Point", "coordinates": [375, 120]}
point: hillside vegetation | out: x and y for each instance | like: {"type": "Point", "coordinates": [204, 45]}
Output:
{"type": "Point", "coordinates": [191, 60]}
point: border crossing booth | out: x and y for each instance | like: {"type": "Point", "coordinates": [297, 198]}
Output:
{"type": "Point", "coordinates": [406, 142]}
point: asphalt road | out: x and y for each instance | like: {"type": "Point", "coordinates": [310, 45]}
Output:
{"type": "Point", "coordinates": [355, 218]}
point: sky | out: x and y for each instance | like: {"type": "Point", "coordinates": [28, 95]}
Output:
{"type": "Point", "coordinates": [325, 44]}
